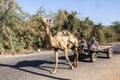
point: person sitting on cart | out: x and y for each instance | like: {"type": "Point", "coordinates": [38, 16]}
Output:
{"type": "Point", "coordinates": [83, 44]}
{"type": "Point", "coordinates": [93, 43]}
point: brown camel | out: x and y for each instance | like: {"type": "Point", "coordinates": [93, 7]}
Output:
{"type": "Point", "coordinates": [62, 41]}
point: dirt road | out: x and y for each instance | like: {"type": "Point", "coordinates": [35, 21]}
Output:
{"type": "Point", "coordinates": [38, 67]}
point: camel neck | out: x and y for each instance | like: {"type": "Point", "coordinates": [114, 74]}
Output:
{"type": "Point", "coordinates": [49, 37]}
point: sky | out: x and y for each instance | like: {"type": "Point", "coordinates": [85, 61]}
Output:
{"type": "Point", "coordinates": [99, 11]}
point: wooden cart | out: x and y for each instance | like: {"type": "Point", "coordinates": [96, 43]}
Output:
{"type": "Point", "coordinates": [93, 52]}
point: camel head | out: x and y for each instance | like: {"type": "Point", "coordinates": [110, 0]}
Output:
{"type": "Point", "coordinates": [46, 21]}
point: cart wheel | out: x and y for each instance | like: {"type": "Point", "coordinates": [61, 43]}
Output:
{"type": "Point", "coordinates": [109, 53]}
{"type": "Point", "coordinates": [93, 57]}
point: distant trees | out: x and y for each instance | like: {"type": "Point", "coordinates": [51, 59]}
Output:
{"type": "Point", "coordinates": [116, 28]}
{"type": "Point", "coordinates": [21, 31]}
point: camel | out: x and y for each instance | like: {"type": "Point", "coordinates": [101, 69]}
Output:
{"type": "Point", "coordinates": [61, 41]}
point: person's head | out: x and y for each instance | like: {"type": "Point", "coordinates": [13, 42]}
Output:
{"type": "Point", "coordinates": [93, 38]}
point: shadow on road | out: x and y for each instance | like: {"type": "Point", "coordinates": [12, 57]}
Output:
{"type": "Point", "coordinates": [116, 52]}
{"type": "Point", "coordinates": [81, 58]}
{"type": "Point", "coordinates": [32, 63]}
{"type": "Point", "coordinates": [36, 64]}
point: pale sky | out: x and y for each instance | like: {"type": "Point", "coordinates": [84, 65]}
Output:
{"type": "Point", "coordinates": [99, 11]}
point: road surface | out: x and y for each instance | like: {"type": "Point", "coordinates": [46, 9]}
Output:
{"type": "Point", "coordinates": [38, 66]}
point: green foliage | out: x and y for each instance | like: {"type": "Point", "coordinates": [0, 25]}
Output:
{"type": "Point", "coordinates": [19, 30]}
{"type": "Point", "coordinates": [110, 34]}
{"type": "Point", "coordinates": [116, 28]}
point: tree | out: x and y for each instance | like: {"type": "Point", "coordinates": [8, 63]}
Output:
{"type": "Point", "coordinates": [110, 34]}
{"type": "Point", "coordinates": [6, 7]}
{"type": "Point", "coordinates": [60, 19]}
{"type": "Point", "coordinates": [87, 26]}
{"type": "Point", "coordinates": [10, 20]}
{"type": "Point", "coordinates": [116, 28]}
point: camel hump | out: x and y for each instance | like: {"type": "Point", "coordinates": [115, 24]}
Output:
{"type": "Point", "coordinates": [71, 38]}
{"type": "Point", "coordinates": [64, 33]}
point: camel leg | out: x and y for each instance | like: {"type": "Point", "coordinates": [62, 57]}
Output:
{"type": "Point", "coordinates": [76, 57]}
{"type": "Point", "coordinates": [67, 59]}
{"type": "Point", "coordinates": [56, 62]}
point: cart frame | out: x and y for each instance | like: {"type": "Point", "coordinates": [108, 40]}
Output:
{"type": "Point", "coordinates": [93, 53]}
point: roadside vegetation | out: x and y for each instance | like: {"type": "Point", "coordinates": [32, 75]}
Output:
{"type": "Point", "coordinates": [21, 31]}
